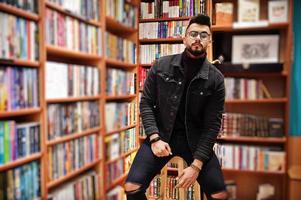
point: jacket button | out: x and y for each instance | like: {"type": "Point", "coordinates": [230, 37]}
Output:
{"type": "Point", "coordinates": [176, 97]}
{"type": "Point", "coordinates": [201, 93]}
{"type": "Point", "coordinates": [180, 83]}
{"type": "Point", "coordinates": [167, 78]}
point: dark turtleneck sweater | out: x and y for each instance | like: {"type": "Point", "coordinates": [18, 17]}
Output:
{"type": "Point", "coordinates": [191, 68]}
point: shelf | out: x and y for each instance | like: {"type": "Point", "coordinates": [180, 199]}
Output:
{"type": "Point", "coordinates": [19, 62]}
{"type": "Point", "coordinates": [67, 53]}
{"type": "Point", "coordinates": [253, 68]}
{"type": "Point", "coordinates": [116, 182]}
{"type": "Point", "coordinates": [21, 112]}
{"type": "Point", "coordinates": [172, 169]}
{"type": "Point", "coordinates": [73, 99]}
{"type": "Point", "coordinates": [72, 136]}
{"type": "Point", "coordinates": [124, 97]}
{"type": "Point", "coordinates": [164, 19]}
{"type": "Point", "coordinates": [19, 12]}
{"type": "Point", "coordinates": [255, 75]}
{"type": "Point", "coordinates": [146, 65]}
{"type": "Point", "coordinates": [121, 156]}
{"type": "Point", "coordinates": [258, 101]}
{"type": "Point", "coordinates": [161, 40]}
{"type": "Point", "coordinates": [59, 8]}
{"type": "Point", "coordinates": [117, 27]}
{"type": "Point", "coordinates": [250, 172]}
{"type": "Point", "coordinates": [254, 139]}
{"type": "Point", "coordinates": [120, 130]}
{"type": "Point", "coordinates": [61, 180]}
{"type": "Point", "coordinates": [119, 64]}
{"type": "Point", "coordinates": [229, 28]}
{"type": "Point", "coordinates": [20, 162]}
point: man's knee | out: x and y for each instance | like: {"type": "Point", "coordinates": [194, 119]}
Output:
{"type": "Point", "coordinates": [220, 195]}
{"type": "Point", "coordinates": [131, 187]}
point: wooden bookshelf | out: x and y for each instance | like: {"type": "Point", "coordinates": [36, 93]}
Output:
{"type": "Point", "coordinates": [19, 12]}
{"type": "Point", "coordinates": [19, 62]}
{"type": "Point", "coordinates": [73, 99]}
{"type": "Point", "coordinates": [66, 12]}
{"type": "Point", "coordinates": [71, 175]}
{"type": "Point", "coordinates": [258, 101]}
{"type": "Point", "coordinates": [161, 40]}
{"type": "Point", "coordinates": [164, 19]}
{"type": "Point", "coordinates": [273, 26]}
{"type": "Point", "coordinates": [72, 136]}
{"type": "Point", "coordinates": [257, 173]}
{"type": "Point", "coordinates": [122, 156]}
{"type": "Point", "coordinates": [20, 161]}
{"type": "Point", "coordinates": [115, 26]}
{"type": "Point", "coordinates": [115, 98]}
{"type": "Point", "coordinates": [121, 129]}
{"type": "Point", "coordinates": [21, 112]}
{"type": "Point", "coordinates": [252, 139]}
{"type": "Point", "coordinates": [116, 182]}
{"type": "Point", "coordinates": [119, 64]}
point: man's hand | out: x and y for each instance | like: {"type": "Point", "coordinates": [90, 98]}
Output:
{"type": "Point", "coordinates": [187, 178]}
{"type": "Point", "coordinates": [161, 148]}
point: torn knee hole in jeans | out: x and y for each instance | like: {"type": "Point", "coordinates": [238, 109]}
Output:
{"type": "Point", "coordinates": [134, 190]}
{"type": "Point", "coordinates": [219, 195]}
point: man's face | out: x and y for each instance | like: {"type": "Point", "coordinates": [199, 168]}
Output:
{"type": "Point", "coordinates": [197, 39]}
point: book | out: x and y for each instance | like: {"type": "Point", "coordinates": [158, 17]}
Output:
{"type": "Point", "coordinates": [248, 10]}
{"type": "Point", "coordinates": [223, 13]}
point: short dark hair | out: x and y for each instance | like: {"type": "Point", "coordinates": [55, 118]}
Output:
{"type": "Point", "coordinates": [200, 19]}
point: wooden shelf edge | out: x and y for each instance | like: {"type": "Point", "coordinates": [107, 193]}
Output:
{"type": "Point", "coordinates": [58, 8]}
{"type": "Point", "coordinates": [72, 99]}
{"type": "Point", "coordinates": [230, 28]}
{"type": "Point", "coordinates": [116, 182]}
{"type": "Point", "coordinates": [20, 162]}
{"type": "Point", "coordinates": [116, 26]}
{"type": "Point", "coordinates": [19, 62]}
{"type": "Point", "coordinates": [118, 63]}
{"type": "Point", "coordinates": [120, 130]}
{"type": "Point", "coordinates": [257, 101]}
{"type": "Point", "coordinates": [71, 175]}
{"type": "Point", "coordinates": [254, 172]}
{"type": "Point", "coordinates": [20, 112]}
{"type": "Point", "coordinates": [19, 12]}
{"type": "Point", "coordinates": [164, 19]}
{"type": "Point", "coordinates": [72, 136]}
{"type": "Point", "coordinates": [253, 139]}
{"type": "Point", "coordinates": [124, 97]}
{"type": "Point", "coordinates": [121, 156]}
{"type": "Point", "coordinates": [67, 53]}
{"type": "Point", "coordinates": [161, 40]}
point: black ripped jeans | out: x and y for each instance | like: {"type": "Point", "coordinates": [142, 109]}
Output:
{"type": "Point", "coordinates": [146, 166]}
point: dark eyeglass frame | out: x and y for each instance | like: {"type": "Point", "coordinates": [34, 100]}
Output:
{"type": "Point", "coordinates": [203, 35]}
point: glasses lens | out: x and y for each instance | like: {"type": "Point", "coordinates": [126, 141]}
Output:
{"type": "Point", "coordinates": [194, 35]}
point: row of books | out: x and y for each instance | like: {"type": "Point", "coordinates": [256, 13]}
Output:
{"type": "Point", "coordinates": [154, 189]}
{"type": "Point", "coordinates": [169, 8]}
{"type": "Point", "coordinates": [253, 158]}
{"type": "Point", "coordinates": [28, 5]}
{"type": "Point", "coordinates": [241, 88]}
{"type": "Point", "coordinates": [119, 168]}
{"type": "Point", "coordinates": [67, 80]}
{"type": "Point", "coordinates": [18, 88]}
{"type": "Point", "coordinates": [121, 49]}
{"type": "Point", "coordinates": [170, 29]}
{"type": "Point", "coordinates": [84, 8]}
{"type": "Point", "coordinates": [149, 53]}
{"type": "Point", "coordinates": [70, 33]}
{"type": "Point", "coordinates": [19, 38]}
{"type": "Point", "coordinates": [120, 143]}
{"type": "Point", "coordinates": [83, 187]}
{"type": "Point", "coordinates": [70, 118]}
{"type": "Point", "coordinates": [122, 11]}
{"type": "Point", "coordinates": [67, 157]}
{"type": "Point", "coordinates": [116, 193]}
{"type": "Point", "coordinates": [21, 182]}
{"type": "Point", "coordinates": [120, 115]}
{"type": "Point", "coordinates": [120, 82]}
{"type": "Point", "coordinates": [142, 76]}
{"type": "Point", "coordinates": [239, 124]}
{"type": "Point", "coordinates": [18, 140]}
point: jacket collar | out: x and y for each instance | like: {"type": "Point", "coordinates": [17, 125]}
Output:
{"type": "Point", "coordinates": [203, 72]}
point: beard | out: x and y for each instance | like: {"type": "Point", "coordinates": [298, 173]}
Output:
{"type": "Point", "coordinates": [197, 51]}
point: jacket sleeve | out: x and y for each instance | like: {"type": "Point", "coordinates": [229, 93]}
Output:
{"type": "Point", "coordinates": [212, 121]}
{"type": "Point", "coordinates": [148, 102]}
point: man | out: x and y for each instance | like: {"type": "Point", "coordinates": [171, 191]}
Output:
{"type": "Point", "coordinates": [181, 109]}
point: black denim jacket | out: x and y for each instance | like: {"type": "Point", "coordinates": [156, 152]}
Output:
{"type": "Point", "coordinates": [205, 98]}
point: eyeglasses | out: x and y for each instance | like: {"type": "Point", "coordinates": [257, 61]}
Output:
{"type": "Point", "coordinates": [203, 35]}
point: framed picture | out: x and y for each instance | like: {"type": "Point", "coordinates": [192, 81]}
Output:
{"type": "Point", "coordinates": [255, 49]}
{"type": "Point", "coordinates": [278, 11]}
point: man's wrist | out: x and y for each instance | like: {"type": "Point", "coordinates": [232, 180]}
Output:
{"type": "Point", "coordinates": [153, 135]}
{"type": "Point", "coordinates": [197, 163]}
{"type": "Point", "coordinates": [155, 139]}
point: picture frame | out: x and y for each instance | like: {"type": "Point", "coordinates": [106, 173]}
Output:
{"type": "Point", "coordinates": [278, 11]}
{"type": "Point", "coordinates": [255, 49]}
